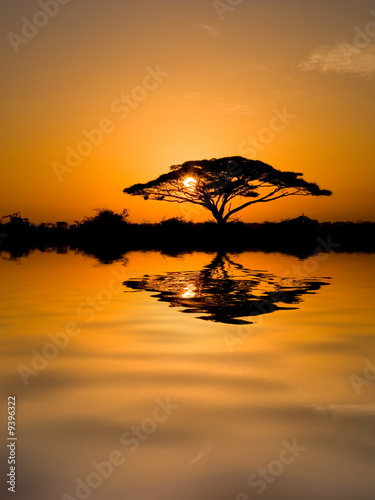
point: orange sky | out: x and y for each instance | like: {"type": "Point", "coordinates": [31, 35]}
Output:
{"type": "Point", "coordinates": [174, 81]}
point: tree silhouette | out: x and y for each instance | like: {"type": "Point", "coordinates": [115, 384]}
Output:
{"type": "Point", "coordinates": [215, 184]}
{"type": "Point", "coordinates": [224, 291]}
{"type": "Point", "coordinates": [107, 218]}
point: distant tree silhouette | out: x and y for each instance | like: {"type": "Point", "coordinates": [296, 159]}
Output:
{"type": "Point", "coordinates": [107, 218]}
{"type": "Point", "coordinates": [16, 221]}
{"type": "Point", "coordinates": [215, 184]}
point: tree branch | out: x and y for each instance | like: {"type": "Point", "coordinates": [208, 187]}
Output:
{"type": "Point", "coordinates": [265, 199]}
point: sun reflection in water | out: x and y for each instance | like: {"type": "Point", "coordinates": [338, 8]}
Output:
{"type": "Point", "coordinates": [189, 292]}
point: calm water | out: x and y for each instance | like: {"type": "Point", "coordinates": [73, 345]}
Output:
{"type": "Point", "coordinates": [201, 377]}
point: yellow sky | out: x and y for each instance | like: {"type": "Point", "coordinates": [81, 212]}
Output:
{"type": "Point", "coordinates": [289, 83]}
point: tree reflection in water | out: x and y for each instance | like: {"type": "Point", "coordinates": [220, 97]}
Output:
{"type": "Point", "coordinates": [226, 292]}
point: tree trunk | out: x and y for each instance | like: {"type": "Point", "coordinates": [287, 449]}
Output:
{"type": "Point", "coordinates": [219, 219]}
{"type": "Point", "coordinates": [218, 216]}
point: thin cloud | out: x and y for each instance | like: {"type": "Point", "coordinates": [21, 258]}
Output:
{"type": "Point", "coordinates": [236, 108]}
{"type": "Point", "coordinates": [193, 96]}
{"type": "Point", "coordinates": [342, 58]}
{"type": "Point", "coordinates": [218, 104]}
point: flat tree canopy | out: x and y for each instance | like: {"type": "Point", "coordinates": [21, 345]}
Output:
{"type": "Point", "coordinates": [224, 186]}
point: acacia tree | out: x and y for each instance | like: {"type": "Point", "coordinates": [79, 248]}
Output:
{"type": "Point", "coordinates": [225, 186]}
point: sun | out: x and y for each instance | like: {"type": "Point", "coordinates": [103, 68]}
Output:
{"type": "Point", "coordinates": [189, 183]}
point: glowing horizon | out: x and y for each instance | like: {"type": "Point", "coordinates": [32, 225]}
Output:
{"type": "Point", "coordinates": [108, 95]}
